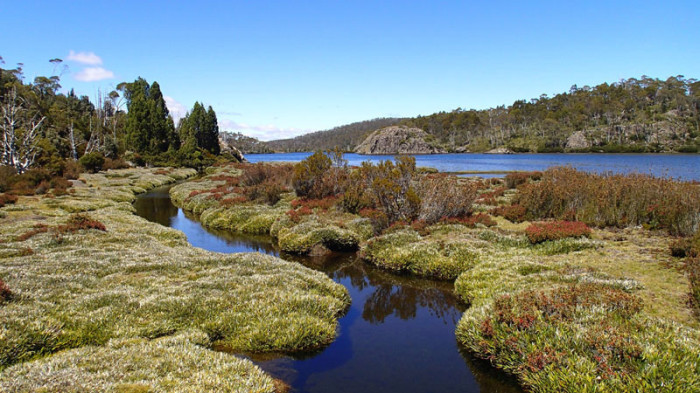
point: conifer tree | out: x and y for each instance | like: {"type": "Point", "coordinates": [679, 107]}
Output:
{"type": "Point", "coordinates": [200, 129]}
{"type": "Point", "coordinates": [149, 126]}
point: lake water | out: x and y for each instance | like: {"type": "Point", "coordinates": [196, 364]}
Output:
{"type": "Point", "coordinates": [397, 336]}
{"type": "Point", "coordinates": [680, 166]}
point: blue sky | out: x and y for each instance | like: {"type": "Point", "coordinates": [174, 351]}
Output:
{"type": "Point", "coordinates": [278, 69]}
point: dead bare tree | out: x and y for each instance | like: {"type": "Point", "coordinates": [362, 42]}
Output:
{"type": "Point", "coordinates": [19, 133]}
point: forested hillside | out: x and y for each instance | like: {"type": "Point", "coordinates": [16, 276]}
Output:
{"type": "Point", "coordinates": [345, 137]}
{"type": "Point", "coordinates": [633, 115]}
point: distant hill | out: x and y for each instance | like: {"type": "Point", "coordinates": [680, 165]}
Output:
{"type": "Point", "coordinates": [632, 115]}
{"type": "Point", "coordinates": [346, 137]}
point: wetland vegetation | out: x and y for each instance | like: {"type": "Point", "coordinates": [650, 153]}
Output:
{"type": "Point", "coordinates": [569, 276]}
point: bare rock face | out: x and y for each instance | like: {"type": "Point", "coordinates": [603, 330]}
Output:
{"type": "Point", "coordinates": [398, 140]}
{"type": "Point", "coordinates": [577, 140]}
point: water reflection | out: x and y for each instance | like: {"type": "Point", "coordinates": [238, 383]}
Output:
{"type": "Point", "coordinates": [398, 334]}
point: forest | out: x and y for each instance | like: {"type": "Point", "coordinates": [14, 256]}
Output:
{"type": "Point", "coordinates": [42, 127]}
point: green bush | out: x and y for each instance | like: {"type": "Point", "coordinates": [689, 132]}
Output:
{"type": "Point", "coordinates": [92, 162]}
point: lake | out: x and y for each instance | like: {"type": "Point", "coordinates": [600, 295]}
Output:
{"type": "Point", "coordinates": [679, 166]}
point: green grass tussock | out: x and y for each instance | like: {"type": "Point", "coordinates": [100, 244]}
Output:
{"type": "Point", "coordinates": [407, 251]}
{"type": "Point", "coordinates": [177, 363]}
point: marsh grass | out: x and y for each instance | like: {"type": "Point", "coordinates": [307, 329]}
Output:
{"type": "Point", "coordinates": [138, 281]}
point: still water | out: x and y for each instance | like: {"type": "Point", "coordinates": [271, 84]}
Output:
{"type": "Point", "coordinates": [397, 336]}
{"type": "Point", "coordinates": [680, 166]}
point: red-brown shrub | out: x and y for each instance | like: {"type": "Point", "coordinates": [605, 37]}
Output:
{"type": "Point", "coordinates": [42, 187]}
{"type": "Point", "coordinates": [120, 163]}
{"type": "Point", "coordinates": [378, 218]}
{"type": "Point", "coordinates": [323, 204]}
{"type": "Point", "coordinates": [555, 230]}
{"type": "Point", "coordinates": [268, 192]}
{"type": "Point", "coordinates": [613, 200]}
{"type": "Point", "coordinates": [60, 183]}
{"type": "Point", "coordinates": [80, 222]}
{"type": "Point", "coordinates": [295, 215]}
{"type": "Point", "coordinates": [471, 221]}
{"type": "Point", "coordinates": [254, 174]}
{"type": "Point", "coordinates": [7, 199]}
{"type": "Point", "coordinates": [38, 228]}
{"type": "Point", "coordinates": [228, 202]}
{"type": "Point", "coordinates": [512, 180]}
{"type": "Point", "coordinates": [5, 292]}
{"type": "Point", "coordinates": [520, 310]}
{"type": "Point", "coordinates": [512, 213]}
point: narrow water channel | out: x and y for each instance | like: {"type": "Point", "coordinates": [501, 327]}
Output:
{"type": "Point", "coordinates": [398, 335]}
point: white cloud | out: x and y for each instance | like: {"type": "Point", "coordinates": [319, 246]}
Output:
{"type": "Point", "coordinates": [266, 132]}
{"type": "Point", "coordinates": [92, 74]}
{"type": "Point", "coordinates": [177, 110]}
{"type": "Point", "coordinates": [88, 58]}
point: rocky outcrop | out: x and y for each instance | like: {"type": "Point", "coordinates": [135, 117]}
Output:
{"type": "Point", "coordinates": [228, 147]}
{"type": "Point", "coordinates": [500, 150]}
{"type": "Point", "coordinates": [577, 140]}
{"type": "Point", "coordinates": [398, 140]}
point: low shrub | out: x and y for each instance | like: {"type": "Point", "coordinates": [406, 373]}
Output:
{"type": "Point", "coordinates": [5, 292]}
{"type": "Point", "coordinates": [117, 163]}
{"type": "Point", "coordinates": [512, 180]}
{"type": "Point", "coordinates": [489, 197]}
{"type": "Point", "coordinates": [472, 221]}
{"type": "Point", "coordinates": [79, 222]}
{"type": "Point", "coordinates": [442, 196]}
{"type": "Point", "coordinates": [323, 204]}
{"type": "Point", "coordinates": [267, 192]}
{"type": "Point", "coordinates": [512, 213]}
{"type": "Point", "coordinates": [378, 218]}
{"type": "Point", "coordinates": [547, 231]}
{"type": "Point", "coordinates": [8, 175]}
{"type": "Point", "coordinates": [610, 199]}
{"type": "Point", "coordinates": [320, 175]}
{"type": "Point", "coordinates": [71, 169]}
{"type": "Point", "coordinates": [7, 199]}
{"type": "Point", "coordinates": [60, 182]}
{"type": "Point", "coordinates": [693, 266]}
{"type": "Point", "coordinates": [37, 229]}
{"type": "Point", "coordinates": [254, 174]}
{"type": "Point", "coordinates": [681, 248]}
{"type": "Point", "coordinates": [42, 187]}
